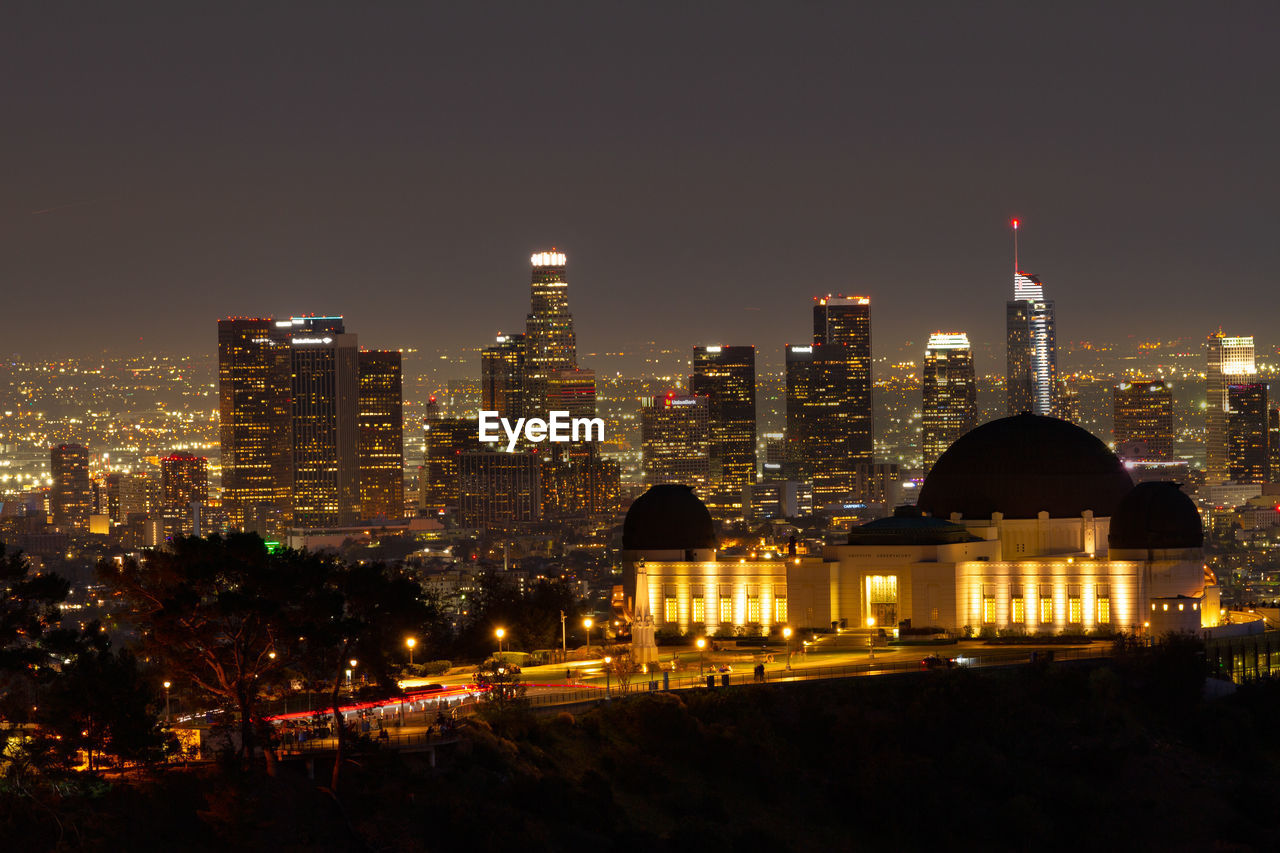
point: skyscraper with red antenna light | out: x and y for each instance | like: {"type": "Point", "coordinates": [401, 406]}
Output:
{"type": "Point", "coordinates": [1032, 351]}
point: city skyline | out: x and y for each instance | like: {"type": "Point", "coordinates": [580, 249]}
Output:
{"type": "Point", "coordinates": [397, 175]}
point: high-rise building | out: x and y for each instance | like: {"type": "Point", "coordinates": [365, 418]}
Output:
{"type": "Point", "coordinates": [799, 379]}
{"type": "Point", "coordinates": [381, 443]}
{"type": "Point", "coordinates": [726, 376]}
{"type": "Point", "coordinates": [138, 495]}
{"type": "Point", "coordinates": [1230, 360]}
{"type": "Point", "coordinates": [1248, 452]}
{"type": "Point", "coordinates": [1273, 440]}
{"type": "Point", "coordinates": [71, 497]}
{"type": "Point", "coordinates": [950, 393]}
{"type": "Point", "coordinates": [497, 489]}
{"type": "Point", "coordinates": [675, 440]}
{"type": "Point", "coordinates": [184, 480]}
{"type": "Point", "coordinates": [325, 396]}
{"type": "Point", "coordinates": [549, 337]}
{"type": "Point", "coordinates": [502, 377]}
{"type": "Point", "coordinates": [580, 488]}
{"type": "Point", "coordinates": [1032, 350]}
{"type": "Point", "coordinates": [838, 426]}
{"type": "Point", "coordinates": [445, 441]}
{"type": "Point", "coordinates": [573, 391]}
{"type": "Point", "coordinates": [1144, 413]}
{"type": "Point", "coordinates": [253, 389]}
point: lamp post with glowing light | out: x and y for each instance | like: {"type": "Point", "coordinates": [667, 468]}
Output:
{"type": "Point", "coordinates": [410, 642]}
{"type": "Point", "coordinates": [702, 655]}
{"type": "Point", "coordinates": [786, 635]}
{"type": "Point", "coordinates": [871, 638]}
{"type": "Point", "coordinates": [587, 623]}
{"type": "Point", "coordinates": [500, 633]}
{"type": "Point", "coordinates": [607, 675]}
{"type": "Point", "coordinates": [167, 717]}
{"type": "Point", "coordinates": [351, 687]}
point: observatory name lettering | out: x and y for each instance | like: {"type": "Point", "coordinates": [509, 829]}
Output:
{"type": "Point", "coordinates": [560, 427]}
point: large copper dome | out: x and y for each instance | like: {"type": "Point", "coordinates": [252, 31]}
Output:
{"type": "Point", "coordinates": [1021, 466]}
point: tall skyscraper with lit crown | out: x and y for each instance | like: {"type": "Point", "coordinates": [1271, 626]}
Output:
{"type": "Point", "coordinates": [1230, 361]}
{"type": "Point", "coordinates": [1031, 378]}
{"type": "Point", "coordinates": [950, 393]}
{"type": "Point", "coordinates": [549, 339]}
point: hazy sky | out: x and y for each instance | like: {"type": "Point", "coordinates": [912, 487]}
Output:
{"type": "Point", "coordinates": [708, 167]}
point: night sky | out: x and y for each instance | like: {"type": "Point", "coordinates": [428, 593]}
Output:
{"type": "Point", "coordinates": [708, 170]}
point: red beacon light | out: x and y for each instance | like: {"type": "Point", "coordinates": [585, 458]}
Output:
{"type": "Point", "coordinates": [1015, 225]}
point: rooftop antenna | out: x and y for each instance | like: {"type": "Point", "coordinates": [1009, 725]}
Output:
{"type": "Point", "coordinates": [1015, 224]}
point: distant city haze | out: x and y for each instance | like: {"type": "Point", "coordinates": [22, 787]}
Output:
{"type": "Point", "coordinates": [708, 171]}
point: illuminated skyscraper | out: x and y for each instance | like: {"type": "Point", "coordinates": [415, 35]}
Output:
{"type": "Point", "coordinates": [950, 394]}
{"type": "Point", "coordinates": [1144, 412]}
{"type": "Point", "coordinates": [502, 377]}
{"type": "Point", "coordinates": [446, 440]}
{"type": "Point", "coordinates": [1230, 360]}
{"type": "Point", "coordinates": [254, 422]}
{"type": "Point", "coordinates": [580, 488]}
{"type": "Point", "coordinates": [548, 331]}
{"type": "Point", "coordinates": [381, 443]}
{"type": "Point", "coordinates": [1031, 379]}
{"type": "Point", "coordinates": [839, 426]}
{"type": "Point", "coordinates": [1248, 451]}
{"type": "Point", "coordinates": [325, 407]}
{"type": "Point", "coordinates": [726, 376]}
{"type": "Point", "coordinates": [497, 489]}
{"type": "Point", "coordinates": [184, 480]}
{"type": "Point", "coordinates": [675, 440]}
{"type": "Point", "coordinates": [573, 391]}
{"type": "Point", "coordinates": [799, 378]}
{"type": "Point", "coordinates": [71, 498]}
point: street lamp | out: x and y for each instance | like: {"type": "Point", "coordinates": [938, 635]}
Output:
{"type": "Point", "coordinates": [500, 633]}
{"type": "Point", "coordinates": [350, 684]}
{"type": "Point", "coordinates": [871, 638]}
{"type": "Point", "coordinates": [167, 685]}
{"type": "Point", "coordinates": [607, 660]}
{"type": "Point", "coordinates": [587, 623]}
{"type": "Point", "coordinates": [786, 635]}
{"type": "Point", "coordinates": [702, 655]}
{"type": "Point", "coordinates": [410, 642]}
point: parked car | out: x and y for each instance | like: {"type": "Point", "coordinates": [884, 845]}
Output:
{"type": "Point", "coordinates": [937, 662]}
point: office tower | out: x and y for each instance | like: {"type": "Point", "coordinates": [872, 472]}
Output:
{"type": "Point", "coordinates": [675, 440]}
{"type": "Point", "coordinates": [580, 488]}
{"type": "Point", "coordinates": [1230, 360]}
{"type": "Point", "coordinates": [571, 390]}
{"type": "Point", "coordinates": [548, 330]}
{"type": "Point", "coordinates": [877, 482]}
{"type": "Point", "coordinates": [1032, 355]}
{"type": "Point", "coordinates": [498, 489]}
{"type": "Point", "coordinates": [139, 495]}
{"type": "Point", "coordinates": [502, 377]}
{"type": "Point", "coordinates": [381, 443]}
{"type": "Point", "coordinates": [1273, 440]}
{"type": "Point", "coordinates": [839, 430]}
{"type": "Point", "coordinates": [325, 394]}
{"type": "Point", "coordinates": [184, 480]}
{"type": "Point", "coordinates": [1031, 379]}
{"type": "Point", "coordinates": [950, 393]}
{"type": "Point", "coordinates": [775, 448]}
{"type": "Point", "coordinates": [726, 376]}
{"type": "Point", "coordinates": [1248, 454]}
{"type": "Point", "coordinates": [71, 496]}
{"type": "Point", "coordinates": [1144, 413]}
{"type": "Point", "coordinates": [446, 439]}
{"type": "Point", "coordinates": [253, 403]}
{"type": "Point", "coordinates": [799, 378]}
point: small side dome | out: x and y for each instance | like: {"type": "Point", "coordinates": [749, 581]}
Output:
{"type": "Point", "coordinates": [1156, 515]}
{"type": "Point", "coordinates": [668, 517]}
